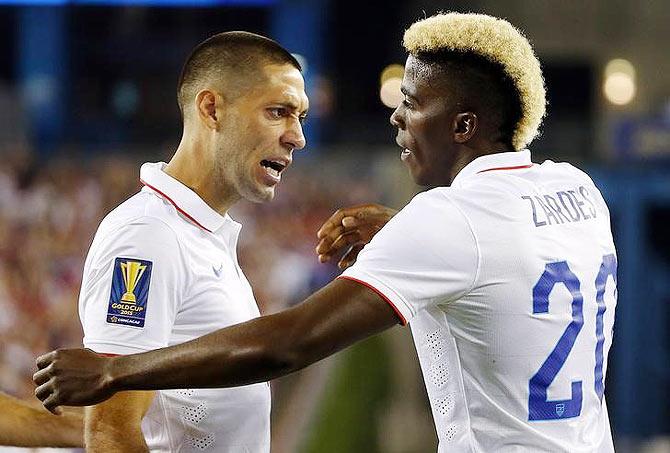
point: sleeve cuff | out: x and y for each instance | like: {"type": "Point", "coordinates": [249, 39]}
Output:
{"type": "Point", "coordinates": [108, 348]}
{"type": "Point", "coordinates": [391, 297]}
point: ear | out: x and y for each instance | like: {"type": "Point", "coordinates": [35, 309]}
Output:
{"type": "Point", "coordinates": [206, 105]}
{"type": "Point", "coordinates": [465, 126]}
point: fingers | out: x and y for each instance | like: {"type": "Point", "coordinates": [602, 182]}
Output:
{"type": "Point", "coordinates": [48, 397]}
{"type": "Point", "coordinates": [347, 239]}
{"type": "Point", "coordinates": [43, 391]}
{"type": "Point", "coordinates": [45, 360]}
{"type": "Point", "coordinates": [336, 220]}
{"type": "Point", "coordinates": [42, 376]}
{"type": "Point", "coordinates": [44, 379]}
{"type": "Point", "coordinates": [52, 405]}
{"type": "Point", "coordinates": [349, 258]}
{"type": "Point", "coordinates": [338, 224]}
{"type": "Point", "coordinates": [349, 226]}
{"type": "Point", "coordinates": [350, 222]}
{"type": "Point", "coordinates": [328, 239]}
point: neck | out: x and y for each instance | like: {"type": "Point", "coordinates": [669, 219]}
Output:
{"type": "Point", "coordinates": [193, 166]}
{"type": "Point", "coordinates": [467, 154]}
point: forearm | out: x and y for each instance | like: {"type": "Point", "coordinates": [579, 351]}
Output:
{"type": "Point", "coordinates": [112, 440]}
{"type": "Point", "coordinates": [22, 425]}
{"type": "Point", "coordinates": [114, 426]}
{"type": "Point", "coordinates": [247, 353]}
{"type": "Point", "coordinates": [263, 348]}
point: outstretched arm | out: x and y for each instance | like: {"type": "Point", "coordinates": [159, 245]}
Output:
{"type": "Point", "coordinates": [264, 348]}
{"type": "Point", "coordinates": [23, 425]}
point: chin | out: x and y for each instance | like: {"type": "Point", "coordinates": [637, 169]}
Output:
{"type": "Point", "coordinates": [261, 195]}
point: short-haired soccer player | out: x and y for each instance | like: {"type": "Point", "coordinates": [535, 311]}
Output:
{"type": "Point", "coordinates": [505, 270]}
{"type": "Point", "coordinates": [162, 268]}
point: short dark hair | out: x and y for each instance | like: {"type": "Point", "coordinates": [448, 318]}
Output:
{"type": "Point", "coordinates": [235, 57]}
{"type": "Point", "coordinates": [484, 83]}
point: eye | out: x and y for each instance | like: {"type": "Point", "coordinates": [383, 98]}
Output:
{"type": "Point", "coordinates": [407, 103]}
{"type": "Point", "coordinates": [277, 112]}
{"type": "Point", "coordinates": [302, 119]}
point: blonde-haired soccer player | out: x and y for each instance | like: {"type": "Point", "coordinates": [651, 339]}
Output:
{"type": "Point", "coordinates": [505, 270]}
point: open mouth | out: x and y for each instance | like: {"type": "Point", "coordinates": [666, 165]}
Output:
{"type": "Point", "coordinates": [405, 153]}
{"type": "Point", "coordinates": [273, 167]}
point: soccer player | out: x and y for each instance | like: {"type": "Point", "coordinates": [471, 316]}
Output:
{"type": "Point", "coordinates": [505, 270]}
{"type": "Point", "coordinates": [162, 268]}
{"type": "Point", "coordinates": [23, 425]}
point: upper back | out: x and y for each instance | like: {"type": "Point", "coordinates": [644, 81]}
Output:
{"type": "Point", "coordinates": [534, 329]}
{"type": "Point", "coordinates": [506, 278]}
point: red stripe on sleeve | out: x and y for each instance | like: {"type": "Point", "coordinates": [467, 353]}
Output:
{"type": "Point", "coordinates": [403, 321]}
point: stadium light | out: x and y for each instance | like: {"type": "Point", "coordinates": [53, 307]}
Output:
{"type": "Point", "coordinates": [619, 84]}
{"type": "Point", "coordinates": [390, 81]}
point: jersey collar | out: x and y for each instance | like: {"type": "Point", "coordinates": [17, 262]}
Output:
{"type": "Point", "coordinates": [187, 202]}
{"type": "Point", "coordinates": [509, 161]}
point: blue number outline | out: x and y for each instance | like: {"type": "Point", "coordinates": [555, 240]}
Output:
{"type": "Point", "coordinates": [607, 268]}
{"type": "Point", "coordinates": [539, 407]}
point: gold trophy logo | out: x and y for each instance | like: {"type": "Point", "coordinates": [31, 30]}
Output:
{"type": "Point", "coordinates": [132, 273]}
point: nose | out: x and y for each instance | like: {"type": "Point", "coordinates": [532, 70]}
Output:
{"type": "Point", "coordinates": [294, 137]}
{"type": "Point", "coordinates": [396, 118]}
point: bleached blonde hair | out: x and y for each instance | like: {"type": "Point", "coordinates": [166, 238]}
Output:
{"type": "Point", "coordinates": [497, 41]}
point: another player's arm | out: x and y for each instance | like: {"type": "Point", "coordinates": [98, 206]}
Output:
{"type": "Point", "coordinates": [114, 426]}
{"type": "Point", "coordinates": [25, 425]}
{"type": "Point", "coordinates": [264, 348]}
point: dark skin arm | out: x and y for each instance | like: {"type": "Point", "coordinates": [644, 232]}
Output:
{"type": "Point", "coordinates": [350, 229]}
{"type": "Point", "coordinates": [342, 313]}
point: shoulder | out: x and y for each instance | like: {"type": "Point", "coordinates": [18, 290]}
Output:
{"type": "Point", "coordinates": [142, 220]}
{"type": "Point", "coordinates": [430, 215]}
{"type": "Point", "coordinates": [567, 169]}
{"type": "Point", "coordinates": [439, 198]}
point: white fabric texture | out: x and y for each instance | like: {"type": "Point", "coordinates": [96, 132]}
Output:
{"type": "Point", "coordinates": [196, 286]}
{"type": "Point", "coordinates": [468, 266]}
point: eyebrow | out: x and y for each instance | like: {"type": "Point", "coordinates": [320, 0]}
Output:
{"type": "Point", "coordinates": [406, 92]}
{"type": "Point", "coordinates": [293, 106]}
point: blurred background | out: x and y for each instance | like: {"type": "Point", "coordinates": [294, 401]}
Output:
{"type": "Point", "coordinates": [87, 93]}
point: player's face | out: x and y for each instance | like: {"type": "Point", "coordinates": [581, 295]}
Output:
{"type": "Point", "coordinates": [261, 130]}
{"type": "Point", "coordinates": [425, 121]}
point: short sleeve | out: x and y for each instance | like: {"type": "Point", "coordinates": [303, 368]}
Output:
{"type": "Point", "coordinates": [133, 283]}
{"type": "Point", "coordinates": [426, 255]}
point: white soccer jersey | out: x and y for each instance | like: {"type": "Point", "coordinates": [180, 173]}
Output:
{"type": "Point", "coordinates": [508, 281]}
{"type": "Point", "coordinates": [163, 270]}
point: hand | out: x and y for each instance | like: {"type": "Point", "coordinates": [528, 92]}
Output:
{"type": "Point", "coordinates": [72, 377]}
{"type": "Point", "coordinates": [351, 227]}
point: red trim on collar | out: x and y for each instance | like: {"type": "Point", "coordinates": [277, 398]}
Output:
{"type": "Point", "coordinates": [518, 167]}
{"type": "Point", "coordinates": [175, 205]}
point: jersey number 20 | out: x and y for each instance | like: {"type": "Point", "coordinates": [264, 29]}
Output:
{"type": "Point", "coordinates": [539, 408]}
